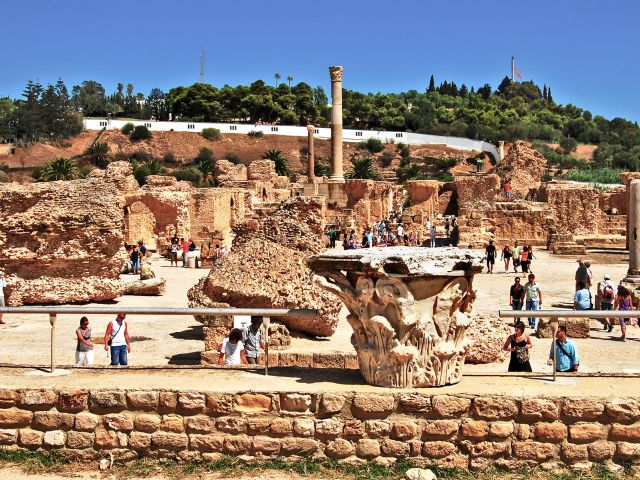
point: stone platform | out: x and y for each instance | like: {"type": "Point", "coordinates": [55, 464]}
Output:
{"type": "Point", "coordinates": [509, 421]}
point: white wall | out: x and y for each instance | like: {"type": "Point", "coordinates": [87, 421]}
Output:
{"type": "Point", "coordinates": [348, 135]}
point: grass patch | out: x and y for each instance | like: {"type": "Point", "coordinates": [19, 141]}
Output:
{"type": "Point", "coordinates": [34, 462]}
{"type": "Point", "coordinates": [596, 175]}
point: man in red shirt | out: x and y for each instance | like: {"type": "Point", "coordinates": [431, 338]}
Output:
{"type": "Point", "coordinates": [185, 250]}
{"type": "Point", "coordinates": [507, 190]}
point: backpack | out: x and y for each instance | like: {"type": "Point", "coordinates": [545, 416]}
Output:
{"type": "Point", "coordinates": [607, 294]}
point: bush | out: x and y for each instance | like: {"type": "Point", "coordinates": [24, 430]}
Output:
{"type": "Point", "coordinates": [170, 159]}
{"type": "Point", "coordinates": [127, 128]}
{"type": "Point", "coordinates": [595, 175]}
{"type": "Point", "coordinates": [282, 164]}
{"type": "Point", "coordinates": [568, 144]}
{"type": "Point", "coordinates": [84, 171]}
{"type": "Point", "coordinates": [211, 133]}
{"type": "Point", "coordinates": [233, 158]}
{"type": "Point", "coordinates": [60, 169]}
{"type": "Point", "coordinates": [405, 151]}
{"type": "Point", "coordinates": [322, 167]}
{"type": "Point", "coordinates": [363, 168]}
{"type": "Point", "coordinates": [99, 153]}
{"type": "Point", "coordinates": [192, 175]}
{"type": "Point", "coordinates": [374, 145]}
{"type": "Point", "coordinates": [140, 132]}
{"type": "Point", "coordinates": [141, 173]}
{"type": "Point", "coordinates": [385, 159]}
{"type": "Point", "coordinates": [256, 133]}
{"type": "Point", "coordinates": [445, 163]}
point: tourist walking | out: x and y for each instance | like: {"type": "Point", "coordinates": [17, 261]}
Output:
{"type": "Point", "coordinates": [446, 227]}
{"type": "Point", "coordinates": [566, 354]}
{"type": "Point", "coordinates": [433, 236]}
{"type": "Point", "coordinates": [84, 347]}
{"type": "Point", "coordinates": [582, 273]}
{"type": "Point", "coordinates": [400, 233]}
{"type": "Point", "coordinates": [516, 295]}
{"type": "Point", "coordinates": [173, 251]}
{"type": "Point", "coordinates": [3, 284]}
{"type": "Point", "coordinates": [582, 298]}
{"type": "Point", "coordinates": [116, 340]}
{"type": "Point", "coordinates": [533, 297]}
{"type": "Point", "coordinates": [607, 295]}
{"type": "Point", "coordinates": [232, 349]}
{"type": "Point", "coordinates": [135, 260]}
{"type": "Point", "coordinates": [506, 256]}
{"type": "Point", "coordinates": [524, 260]}
{"type": "Point", "coordinates": [516, 257]}
{"type": "Point", "coordinates": [530, 258]}
{"type": "Point", "coordinates": [518, 344]}
{"type": "Point", "coordinates": [491, 256]}
{"type": "Point", "coordinates": [252, 340]}
{"type": "Point", "coordinates": [185, 250]}
{"type": "Point", "coordinates": [507, 190]}
{"type": "Point", "coordinates": [623, 303]}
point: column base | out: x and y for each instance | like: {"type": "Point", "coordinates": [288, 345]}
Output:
{"type": "Point", "coordinates": [336, 178]}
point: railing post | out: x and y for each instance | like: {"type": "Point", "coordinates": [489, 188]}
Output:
{"type": "Point", "coordinates": [266, 321]}
{"type": "Point", "coordinates": [52, 321]}
{"type": "Point", "coordinates": [554, 326]}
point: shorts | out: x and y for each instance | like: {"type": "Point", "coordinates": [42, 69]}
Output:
{"type": "Point", "coordinates": [84, 359]}
{"type": "Point", "coordinates": [174, 256]}
{"type": "Point", "coordinates": [491, 260]}
{"type": "Point", "coordinates": [516, 262]}
{"type": "Point", "coordinates": [252, 360]}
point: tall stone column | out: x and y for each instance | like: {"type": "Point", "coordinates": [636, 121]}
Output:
{"type": "Point", "coordinates": [501, 149]}
{"type": "Point", "coordinates": [633, 274]}
{"type": "Point", "coordinates": [409, 308]}
{"type": "Point", "coordinates": [336, 124]}
{"type": "Point", "coordinates": [311, 153]}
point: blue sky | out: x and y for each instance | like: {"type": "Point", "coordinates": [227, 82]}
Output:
{"type": "Point", "coordinates": [586, 50]}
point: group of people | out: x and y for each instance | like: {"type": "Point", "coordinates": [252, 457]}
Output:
{"type": "Point", "coordinates": [242, 346]}
{"type": "Point", "coordinates": [116, 342]}
{"type": "Point", "coordinates": [185, 246]}
{"type": "Point", "coordinates": [522, 256]}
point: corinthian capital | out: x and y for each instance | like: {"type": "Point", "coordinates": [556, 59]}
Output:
{"type": "Point", "coordinates": [336, 73]}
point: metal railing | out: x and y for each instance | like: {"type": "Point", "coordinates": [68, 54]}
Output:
{"type": "Point", "coordinates": [266, 313]}
{"type": "Point", "coordinates": [555, 315]}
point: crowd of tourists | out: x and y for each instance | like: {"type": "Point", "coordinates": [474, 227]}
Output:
{"type": "Point", "coordinates": [518, 256]}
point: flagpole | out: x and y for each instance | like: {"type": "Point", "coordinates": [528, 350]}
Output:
{"type": "Point", "coordinates": [512, 68]}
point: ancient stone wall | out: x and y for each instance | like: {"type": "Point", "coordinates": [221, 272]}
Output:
{"type": "Point", "coordinates": [524, 168]}
{"type": "Point", "coordinates": [575, 207]}
{"type": "Point", "coordinates": [463, 431]}
{"type": "Point", "coordinates": [264, 170]}
{"type": "Point", "coordinates": [477, 193]}
{"type": "Point", "coordinates": [212, 214]}
{"type": "Point", "coordinates": [370, 201]}
{"type": "Point", "coordinates": [140, 224]}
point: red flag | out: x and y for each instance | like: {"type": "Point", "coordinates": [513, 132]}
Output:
{"type": "Point", "coordinates": [517, 72]}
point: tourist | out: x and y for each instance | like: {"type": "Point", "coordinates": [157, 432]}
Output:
{"type": "Point", "coordinates": [400, 232]}
{"type": "Point", "coordinates": [192, 245]}
{"type": "Point", "coordinates": [533, 297]}
{"type": "Point", "coordinates": [516, 257]}
{"type": "Point", "coordinates": [3, 284]}
{"type": "Point", "coordinates": [589, 274]}
{"type": "Point", "coordinates": [433, 236]}
{"type": "Point", "coordinates": [145, 271]}
{"type": "Point", "coordinates": [524, 260]}
{"type": "Point", "coordinates": [582, 273]}
{"type": "Point", "coordinates": [446, 228]}
{"type": "Point", "coordinates": [135, 260]}
{"type": "Point", "coordinates": [566, 354]}
{"type": "Point", "coordinates": [369, 238]}
{"type": "Point", "coordinates": [232, 349]}
{"type": "Point", "coordinates": [518, 344]}
{"type": "Point", "coordinates": [116, 340]}
{"type": "Point", "coordinates": [185, 249]}
{"type": "Point", "coordinates": [332, 237]}
{"type": "Point", "coordinates": [530, 258]}
{"type": "Point", "coordinates": [84, 347]}
{"type": "Point", "coordinates": [252, 340]}
{"type": "Point", "coordinates": [173, 251]}
{"type": "Point", "coordinates": [582, 297]}
{"type": "Point", "coordinates": [516, 295]}
{"type": "Point", "coordinates": [623, 303]}
{"type": "Point", "coordinates": [490, 251]}
{"type": "Point", "coordinates": [507, 192]}
{"type": "Point", "coordinates": [142, 248]}
{"type": "Point", "coordinates": [607, 294]}
{"type": "Point", "coordinates": [506, 256]}
{"type": "Point", "coordinates": [345, 243]}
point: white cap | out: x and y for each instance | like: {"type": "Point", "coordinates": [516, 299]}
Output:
{"type": "Point", "coordinates": [607, 276]}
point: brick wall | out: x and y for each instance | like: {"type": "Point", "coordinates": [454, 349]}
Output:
{"type": "Point", "coordinates": [462, 431]}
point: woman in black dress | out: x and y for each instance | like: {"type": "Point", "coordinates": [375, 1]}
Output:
{"type": "Point", "coordinates": [518, 344]}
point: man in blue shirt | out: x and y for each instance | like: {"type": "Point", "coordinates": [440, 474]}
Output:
{"type": "Point", "coordinates": [566, 353]}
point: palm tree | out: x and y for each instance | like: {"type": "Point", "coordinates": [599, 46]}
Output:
{"type": "Point", "coordinates": [289, 79]}
{"type": "Point", "coordinates": [277, 76]}
{"type": "Point", "coordinates": [60, 169]}
{"type": "Point", "coordinates": [206, 163]}
{"type": "Point", "coordinates": [154, 167]}
{"type": "Point", "coordinates": [282, 164]}
{"type": "Point", "coordinates": [364, 168]}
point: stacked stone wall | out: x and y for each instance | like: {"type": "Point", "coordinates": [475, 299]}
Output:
{"type": "Point", "coordinates": [464, 431]}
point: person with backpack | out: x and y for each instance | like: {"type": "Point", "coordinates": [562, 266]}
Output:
{"type": "Point", "coordinates": [624, 303]}
{"type": "Point", "coordinates": [607, 294]}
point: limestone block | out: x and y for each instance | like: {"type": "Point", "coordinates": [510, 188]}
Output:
{"type": "Point", "coordinates": [8, 397]}
{"type": "Point", "coordinates": [108, 400]}
{"type": "Point", "coordinates": [627, 433]}
{"type": "Point", "coordinates": [207, 443]}
{"type": "Point", "coordinates": [495, 408]}
{"type": "Point", "coordinates": [236, 445]}
{"type": "Point", "coordinates": [200, 424]}
{"type": "Point", "coordinates": [574, 453]}
{"type": "Point", "coordinates": [305, 427]}
{"type": "Point", "coordinates": [367, 448]}
{"type": "Point", "coordinates": [415, 403]}
{"type": "Point", "coordinates": [536, 451]}
{"type": "Point", "coordinates": [106, 439]}
{"type": "Point", "coordinates": [441, 428]}
{"type": "Point", "coordinates": [140, 441]}
{"type": "Point", "coordinates": [298, 446]}
{"type": "Point", "coordinates": [404, 429]}
{"type": "Point", "coordinates": [601, 450]}
{"type": "Point", "coordinates": [258, 425]}
{"type": "Point", "coordinates": [167, 401]}
{"type": "Point", "coordinates": [295, 402]}
{"type": "Point", "coordinates": [628, 450]}
{"type": "Point", "coordinates": [252, 402]}
{"type": "Point", "coordinates": [587, 432]}
{"type": "Point", "coordinates": [37, 399]}
{"type": "Point", "coordinates": [419, 474]}
{"type": "Point", "coordinates": [486, 337]}
{"type": "Point", "coordinates": [74, 401]}
{"type": "Point", "coordinates": [539, 409]}
{"type": "Point", "coordinates": [330, 427]}
{"type": "Point", "coordinates": [576, 327]}
{"type": "Point", "coordinates": [377, 428]}
{"type": "Point", "coordinates": [265, 445]}
{"type": "Point", "coordinates": [143, 400]}
{"type": "Point", "coordinates": [53, 421]}
{"type": "Point", "coordinates": [86, 422]}
{"type": "Point", "coordinates": [447, 406]}
{"type": "Point", "coordinates": [77, 440]}
{"type": "Point", "coordinates": [438, 449]}
{"type": "Point", "coordinates": [623, 409]}
{"type": "Point", "coordinates": [119, 422]}
{"type": "Point", "coordinates": [331, 403]}
{"type": "Point", "coordinates": [395, 448]}
{"type": "Point", "coordinates": [192, 402]}
{"type": "Point", "coordinates": [261, 170]}
{"type": "Point", "coordinates": [149, 287]}
{"type": "Point", "coordinates": [582, 408]}
{"type": "Point", "coordinates": [281, 426]}
{"type": "Point", "coordinates": [354, 428]}
{"type": "Point", "coordinates": [15, 418]}
{"type": "Point", "coordinates": [231, 424]}
{"type": "Point", "coordinates": [147, 422]}
{"type": "Point", "coordinates": [339, 448]}
{"type": "Point", "coordinates": [555, 432]}
{"type": "Point", "coordinates": [476, 429]}
{"type": "Point", "coordinates": [369, 406]}
{"type": "Point", "coordinates": [54, 438]}
{"type": "Point", "coordinates": [172, 423]}
{"type": "Point", "coordinates": [8, 436]}
{"type": "Point", "coordinates": [219, 403]}
{"type": "Point", "coordinates": [169, 441]}
{"type": "Point", "coordinates": [30, 438]}
{"type": "Point", "coordinates": [487, 449]}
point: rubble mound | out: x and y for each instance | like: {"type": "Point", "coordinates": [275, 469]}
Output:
{"type": "Point", "coordinates": [524, 168]}
{"type": "Point", "coordinates": [298, 223]}
{"type": "Point", "coordinates": [264, 274]}
{"type": "Point", "coordinates": [486, 337]}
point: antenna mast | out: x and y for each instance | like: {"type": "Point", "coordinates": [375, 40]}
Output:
{"type": "Point", "coordinates": [202, 64]}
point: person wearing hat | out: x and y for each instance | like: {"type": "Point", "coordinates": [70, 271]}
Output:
{"type": "Point", "coordinates": [607, 295]}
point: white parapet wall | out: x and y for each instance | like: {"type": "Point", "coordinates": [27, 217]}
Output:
{"type": "Point", "coordinates": [458, 143]}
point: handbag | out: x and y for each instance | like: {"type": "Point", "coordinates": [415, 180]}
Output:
{"type": "Point", "coordinates": [522, 354]}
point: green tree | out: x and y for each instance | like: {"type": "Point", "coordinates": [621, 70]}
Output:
{"type": "Point", "coordinates": [289, 80]}
{"type": "Point", "coordinates": [205, 162]}
{"type": "Point", "coordinates": [281, 162]}
{"type": "Point", "coordinates": [277, 77]}
{"type": "Point", "coordinates": [99, 154]}
{"type": "Point", "coordinates": [60, 169]}
{"type": "Point", "coordinates": [568, 144]}
{"type": "Point", "coordinates": [89, 98]}
{"type": "Point", "coordinates": [432, 84]}
{"type": "Point", "coordinates": [364, 168]}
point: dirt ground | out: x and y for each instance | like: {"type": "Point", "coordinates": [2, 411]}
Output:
{"type": "Point", "coordinates": [177, 340]}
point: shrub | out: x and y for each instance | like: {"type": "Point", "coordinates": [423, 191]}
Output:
{"type": "Point", "coordinates": [364, 168]}
{"type": "Point", "coordinates": [140, 132]}
{"type": "Point", "coordinates": [404, 150]}
{"type": "Point", "coordinates": [211, 133]}
{"type": "Point", "coordinates": [374, 145]}
{"type": "Point", "coordinates": [154, 167]}
{"type": "Point", "coordinates": [233, 158]}
{"type": "Point", "coordinates": [282, 164]}
{"type": "Point", "coordinates": [99, 153]}
{"type": "Point", "coordinates": [256, 133]}
{"type": "Point", "coordinates": [60, 169]}
{"type": "Point", "coordinates": [170, 159]}
{"type": "Point", "coordinates": [322, 167]}
{"type": "Point", "coordinates": [84, 171]}
{"type": "Point", "coordinates": [386, 158]}
{"type": "Point", "coordinates": [205, 162]}
{"type": "Point", "coordinates": [141, 173]}
{"type": "Point", "coordinates": [568, 144]}
{"type": "Point", "coordinates": [445, 163]}
{"type": "Point", "coordinates": [192, 175]}
{"type": "Point", "coordinates": [127, 128]}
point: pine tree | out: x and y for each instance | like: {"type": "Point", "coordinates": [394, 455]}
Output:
{"type": "Point", "coordinates": [544, 93]}
{"type": "Point", "coordinates": [463, 90]}
{"type": "Point", "coordinates": [432, 84]}
{"type": "Point", "coordinates": [549, 97]}
{"type": "Point", "coordinates": [504, 85]}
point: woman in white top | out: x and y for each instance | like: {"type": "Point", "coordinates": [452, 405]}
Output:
{"type": "Point", "coordinates": [232, 349]}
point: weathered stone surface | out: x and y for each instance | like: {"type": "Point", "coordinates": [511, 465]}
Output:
{"type": "Point", "coordinates": [332, 403]}
{"type": "Point", "coordinates": [367, 406]}
{"type": "Point", "coordinates": [395, 448]}
{"type": "Point", "coordinates": [628, 450]}
{"type": "Point", "coordinates": [86, 422]}
{"type": "Point", "coordinates": [108, 400]}
{"type": "Point", "coordinates": [339, 448]}
{"type": "Point", "coordinates": [447, 406]}
{"type": "Point", "coordinates": [524, 167]}
{"type": "Point", "coordinates": [8, 397]}
{"type": "Point", "coordinates": [258, 425]}
{"type": "Point", "coordinates": [80, 439]}
{"type": "Point", "coordinates": [231, 424]}
{"type": "Point", "coordinates": [281, 426]}
{"type": "Point", "coordinates": [495, 408]}
{"type": "Point", "coordinates": [574, 453]}
{"type": "Point", "coordinates": [169, 441]}
{"type": "Point", "coordinates": [200, 424]}
{"type": "Point", "coordinates": [485, 338]}
{"type": "Point", "coordinates": [576, 327]}
{"type": "Point", "coordinates": [487, 449]}
{"type": "Point", "coordinates": [207, 443]}
{"type": "Point", "coordinates": [147, 422]}
{"type": "Point", "coordinates": [140, 441]}
{"type": "Point", "coordinates": [305, 427]}
{"type": "Point", "coordinates": [74, 401]}
{"type": "Point", "coordinates": [252, 402]}
{"type": "Point", "coordinates": [404, 430]}
{"type": "Point", "coordinates": [476, 429]}
{"type": "Point", "coordinates": [628, 433]}
{"type": "Point", "coordinates": [539, 409]}
{"type": "Point", "coordinates": [419, 474]}
{"type": "Point", "coordinates": [107, 439]}
{"type": "Point", "coordinates": [37, 399]}
{"type": "Point", "coordinates": [501, 429]}
{"type": "Point", "coordinates": [367, 448]}
{"type": "Point", "coordinates": [261, 170]}
{"type": "Point", "coordinates": [53, 421]}
{"type": "Point", "coordinates": [192, 402]}
{"type": "Point", "coordinates": [331, 427]}
{"type": "Point", "coordinates": [587, 432]}
{"type": "Point", "coordinates": [438, 449]}
{"type": "Point", "coordinates": [555, 432]}
{"type": "Point", "coordinates": [415, 403]}
{"type": "Point", "coordinates": [143, 400]}
{"type": "Point", "coordinates": [377, 428]}
{"type": "Point", "coordinates": [15, 418]}
{"type": "Point", "coordinates": [582, 408]}
{"type": "Point", "coordinates": [149, 287]}
{"type": "Point", "coordinates": [535, 451]}
{"type": "Point", "coordinates": [623, 409]}
{"type": "Point", "coordinates": [167, 401]}
{"type": "Point", "coordinates": [298, 446]}
{"type": "Point", "coordinates": [441, 428]}
{"type": "Point", "coordinates": [119, 422]}
{"type": "Point", "coordinates": [221, 403]}
{"type": "Point", "coordinates": [601, 450]}
{"type": "Point", "coordinates": [266, 445]}
{"type": "Point", "coordinates": [236, 445]}
{"type": "Point", "coordinates": [8, 436]}
{"type": "Point", "coordinates": [295, 402]}
{"type": "Point", "coordinates": [172, 423]}
{"type": "Point", "coordinates": [30, 438]}
{"type": "Point", "coordinates": [54, 438]}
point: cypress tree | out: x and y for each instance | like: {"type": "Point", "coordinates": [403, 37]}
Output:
{"type": "Point", "coordinates": [544, 93]}
{"type": "Point", "coordinates": [432, 84]}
